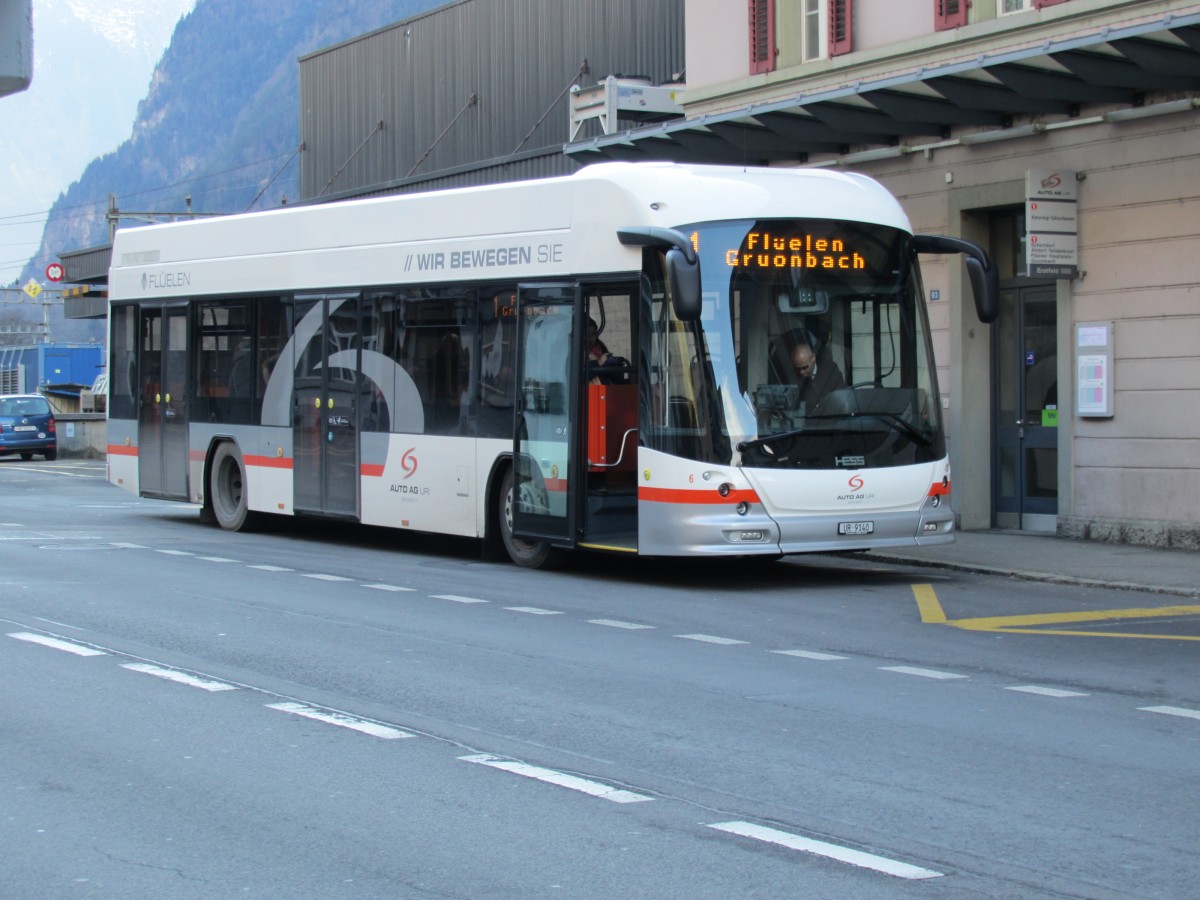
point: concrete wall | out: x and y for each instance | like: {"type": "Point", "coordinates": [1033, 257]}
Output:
{"type": "Point", "coordinates": [81, 435]}
{"type": "Point", "coordinates": [16, 45]}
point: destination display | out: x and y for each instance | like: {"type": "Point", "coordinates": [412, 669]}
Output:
{"type": "Point", "coordinates": [765, 250]}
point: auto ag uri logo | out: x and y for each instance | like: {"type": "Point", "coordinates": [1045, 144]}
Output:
{"type": "Point", "coordinates": [856, 493]}
{"type": "Point", "coordinates": [408, 462]}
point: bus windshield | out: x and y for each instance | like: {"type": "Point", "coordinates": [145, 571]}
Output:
{"type": "Point", "coordinates": [812, 351]}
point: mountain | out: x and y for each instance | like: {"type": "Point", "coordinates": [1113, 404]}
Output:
{"type": "Point", "coordinates": [219, 124]}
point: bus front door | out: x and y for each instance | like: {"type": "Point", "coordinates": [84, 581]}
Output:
{"type": "Point", "coordinates": [162, 402]}
{"type": "Point", "coordinates": [325, 406]}
{"type": "Point", "coordinates": [544, 449]}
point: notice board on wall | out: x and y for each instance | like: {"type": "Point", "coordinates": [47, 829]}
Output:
{"type": "Point", "coordinates": [1094, 369]}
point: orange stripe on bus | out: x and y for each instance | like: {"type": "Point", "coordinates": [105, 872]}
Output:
{"type": "Point", "coordinates": [707, 496]}
{"type": "Point", "coordinates": [122, 450]}
{"type": "Point", "coordinates": [938, 488]}
{"type": "Point", "coordinates": [372, 471]}
{"type": "Point", "coordinates": [268, 462]}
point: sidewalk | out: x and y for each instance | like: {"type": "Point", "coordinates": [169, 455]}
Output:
{"type": "Point", "coordinates": [1040, 557]}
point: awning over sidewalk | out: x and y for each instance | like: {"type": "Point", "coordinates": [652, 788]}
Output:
{"type": "Point", "coordinates": [1050, 81]}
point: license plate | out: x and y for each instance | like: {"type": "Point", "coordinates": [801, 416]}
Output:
{"type": "Point", "coordinates": [856, 527]}
{"type": "Point", "coordinates": [25, 428]}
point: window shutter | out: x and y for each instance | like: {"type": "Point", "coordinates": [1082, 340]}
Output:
{"type": "Point", "coordinates": [762, 36]}
{"type": "Point", "coordinates": [841, 21]}
{"type": "Point", "coordinates": [1038, 4]}
{"type": "Point", "coordinates": [949, 14]}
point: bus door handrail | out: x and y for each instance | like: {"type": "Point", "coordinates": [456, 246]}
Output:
{"type": "Point", "coordinates": [620, 456]}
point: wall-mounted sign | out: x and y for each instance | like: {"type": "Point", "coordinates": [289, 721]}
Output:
{"type": "Point", "coordinates": [1094, 369]}
{"type": "Point", "coordinates": [1051, 224]}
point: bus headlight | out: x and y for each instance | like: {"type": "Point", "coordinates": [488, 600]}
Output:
{"type": "Point", "coordinates": [742, 508]}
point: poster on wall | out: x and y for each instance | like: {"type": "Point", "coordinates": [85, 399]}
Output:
{"type": "Point", "coordinates": [1051, 223]}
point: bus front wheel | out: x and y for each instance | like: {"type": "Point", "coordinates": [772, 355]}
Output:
{"type": "Point", "coordinates": [227, 488]}
{"type": "Point", "coordinates": [529, 554]}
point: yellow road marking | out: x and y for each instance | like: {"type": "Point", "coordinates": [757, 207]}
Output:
{"type": "Point", "coordinates": [933, 614]}
{"type": "Point", "coordinates": [927, 601]}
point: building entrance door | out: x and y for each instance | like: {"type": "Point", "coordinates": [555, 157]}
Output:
{"type": "Point", "coordinates": [1025, 410]}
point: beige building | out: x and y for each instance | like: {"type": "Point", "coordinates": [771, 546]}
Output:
{"type": "Point", "coordinates": [1064, 135]}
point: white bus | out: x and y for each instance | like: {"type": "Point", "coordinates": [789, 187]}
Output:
{"type": "Point", "coordinates": [423, 362]}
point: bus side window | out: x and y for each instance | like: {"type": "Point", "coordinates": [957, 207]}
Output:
{"type": "Point", "coordinates": [495, 385]}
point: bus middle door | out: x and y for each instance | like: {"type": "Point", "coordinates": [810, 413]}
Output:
{"type": "Point", "coordinates": [544, 449]}
{"type": "Point", "coordinates": [325, 406]}
{"type": "Point", "coordinates": [162, 401]}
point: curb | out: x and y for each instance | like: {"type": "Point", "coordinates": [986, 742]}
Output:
{"type": "Point", "coordinates": [1045, 577]}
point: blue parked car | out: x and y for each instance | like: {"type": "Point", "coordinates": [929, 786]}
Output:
{"type": "Point", "coordinates": [27, 426]}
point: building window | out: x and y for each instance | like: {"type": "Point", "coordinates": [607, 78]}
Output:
{"type": "Point", "coordinates": [762, 36]}
{"type": "Point", "coordinates": [950, 13]}
{"type": "Point", "coordinates": [811, 29]}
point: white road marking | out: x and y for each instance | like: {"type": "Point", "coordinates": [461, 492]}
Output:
{"type": "Point", "coordinates": [922, 673]}
{"type": "Point", "coordinates": [56, 644]}
{"type": "Point", "coordinates": [709, 639]}
{"type": "Point", "coordinates": [454, 598]}
{"type": "Point", "coordinates": [220, 559]}
{"type": "Point", "coordinates": [175, 552]}
{"type": "Point", "coordinates": [534, 610]}
{"type": "Point", "coordinates": [1045, 691]}
{"type": "Point", "coordinates": [388, 587]}
{"type": "Point", "coordinates": [124, 546]}
{"type": "Point", "coordinates": [617, 623]}
{"type": "Point", "coordinates": [179, 677]}
{"type": "Point", "coordinates": [54, 470]}
{"type": "Point", "coordinates": [858, 858]}
{"type": "Point", "coordinates": [319, 576]}
{"type": "Point", "coordinates": [562, 779]}
{"type": "Point", "coordinates": [1172, 711]}
{"type": "Point", "coordinates": [810, 654]}
{"type": "Point", "coordinates": [343, 721]}
{"type": "Point", "coordinates": [266, 568]}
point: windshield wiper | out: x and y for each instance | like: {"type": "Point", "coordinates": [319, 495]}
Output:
{"type": "Point", "coordinates": [902, 425]}
{"type": "Point", "coordinates": [899, 423]}
{"type": "Point", "coordinates": [769, 439]}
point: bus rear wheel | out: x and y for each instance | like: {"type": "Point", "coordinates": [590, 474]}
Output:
{"type": "Point", "coordinates": [529, 554]}
{"type": "Point", "coordinates": [227, 488]}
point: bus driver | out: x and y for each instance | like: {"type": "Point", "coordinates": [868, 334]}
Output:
{"type": "Point", "coordinates": [815, 381]}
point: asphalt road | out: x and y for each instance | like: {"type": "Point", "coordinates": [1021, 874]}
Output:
{"type": "Point", "coordinates": [327, 711]}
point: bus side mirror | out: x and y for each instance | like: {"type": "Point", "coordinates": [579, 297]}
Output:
{"type": "Point", "coordinates": [985, 277]}
{"type": "Point", "coordinates": [985, 285]}
{"type": "Point", "coordinates": [683, 276]}
{"type": "Point", "coordinates": [683, 265]}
